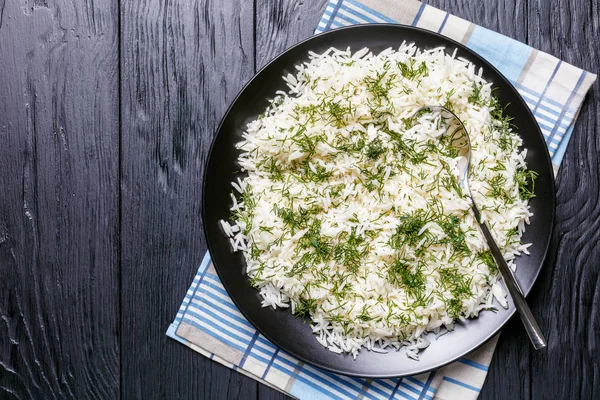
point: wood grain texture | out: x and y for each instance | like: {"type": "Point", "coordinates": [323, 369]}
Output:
{"type": "Point", "coordinates": [182, 64]}
{"type": "Point", "coordinates": [59, 303]}
{"type": "Point", "coordinates": [281, 24]}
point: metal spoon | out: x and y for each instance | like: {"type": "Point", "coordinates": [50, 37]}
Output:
{"type": "Point", "coordinates": [462, 143]}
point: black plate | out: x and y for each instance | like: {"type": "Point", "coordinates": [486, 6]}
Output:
{"type": "Point", "coordinates": [292, 334]}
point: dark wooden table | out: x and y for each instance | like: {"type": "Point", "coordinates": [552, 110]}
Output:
{"type": "Point", "coordinates": [107, 110]}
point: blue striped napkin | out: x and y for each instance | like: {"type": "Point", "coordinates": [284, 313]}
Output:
{"type": "Point", "coordinates": [209, 322]}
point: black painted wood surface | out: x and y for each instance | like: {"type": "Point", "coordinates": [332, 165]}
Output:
{"type": "Point", "coordinates": [107, 109]}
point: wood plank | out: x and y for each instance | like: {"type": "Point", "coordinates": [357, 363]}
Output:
{"type": "Point", "coordinates": [182, 64]}
{"type": "Point", "coordinates": [59, 219]}
{"type": "Point", "coordinates": [281, 24]}
{"type": "Point", "coordinates": [569, 289]}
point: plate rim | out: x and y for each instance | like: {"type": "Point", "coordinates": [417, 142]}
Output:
{"type": "Point", "coordinates": [485, 64]}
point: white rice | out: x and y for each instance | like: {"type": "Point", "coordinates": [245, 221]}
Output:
{"type": "Point", "coordinates": [324, 223]}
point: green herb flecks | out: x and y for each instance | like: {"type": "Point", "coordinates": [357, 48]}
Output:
{"type": "Point", "coordinates": [374, 149]}
{"type": "Point", "coordinates": [455, 235]}
{"type": "Point", "coordinates": [315, 243]}
{"type": "Point", "coordinates": [408, 231]}
{"type": "Point", "coordinates": [496, 187]}
{"type": "Point", "coordinates": [454, 308]}
{"type": "Point", "coordinates": [349, 144]}
{"type": "Point", "coordinates": [313, 173]}
{"type": "Point", "coordinates": [338, 114]}
{"type": "Point", "coordinates": [487, 258]}
{"type": "Point", "coordinates": [459, 285]}
{"type": "Point", "coordinates": [351, 250]}
{"type": "Point", "coordinates": [295, 220]}
{"type": "Point", "coordinates": [525, 178]}
{"type": "Point", "coordinates": [448, 101]}
{"type": "Point", "coordinates": [410, 71]}
{"type": "Point", "coordinates": [476, 97]}
{"type": "Point", "coordinates": [378, 85]}
{"type": "Point", "coordinates": [400, 273]}
{"type": "Point", "coordinates": [305, 307]}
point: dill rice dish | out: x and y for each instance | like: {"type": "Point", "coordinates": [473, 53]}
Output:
{"type": "Point", "coordinates": [351, 214]}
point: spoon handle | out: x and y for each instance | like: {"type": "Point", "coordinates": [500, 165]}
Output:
{"type": "Point", "coordinates": [533, 330]}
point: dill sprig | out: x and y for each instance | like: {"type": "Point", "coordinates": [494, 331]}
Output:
{"type": "Point", "coordinates": [337, 112]}
{"type": "Point", "coordinates": [476, 97]}
{"type": "Point", "coordinates": [307, 143]}
{"type": "Point", "coordinates": [374, 149]}
{"type": "Point", "coordinates": [336, 190]}
{"type": "Point", "coordinates": [496, 186]}
{"type": "Point", "coordinates": [373, 178]}
{"type": "Point", "coordinates": [351, 250]}
{"type": "Point", "coordinates": [459, 285]}
{"type": "Point", "coordinates": [313, 173]}
{"type": "Point", "coordinates": [275, 171]}
{"type": "Point", "coordinates": [455, 235]}
{"type": "Point", "coordinates": [407, 147]}
{"type": "Point", "coordinates": [315, 243]}
{"type": "Point", "coordinates": [487, 258]}
{"type": "Point", "coordinates": [410, 71]}
{"type": "Point", "coordinates": [295, 220]}
{"type": "Point", "coordinates": [506, 140]}
{"type": "Point", "coordinates": [400, 273]}
{"type": "Point", "coordinates": [347, 144]}
{"type": "Point", "coordinates": [245, 213]}
{"type": "Point", "coordinates": [408, 231]}
{"type": "Point", "coordinates": [305, 307]}
{"type": "Point", "coordinates": [378, 86]}
{"type": "Point", "coordinates": [525, 178]}
{"type": "Point", "coordinates": [448, 101]}
{"type": "Point", "coordinates": [454, 308]}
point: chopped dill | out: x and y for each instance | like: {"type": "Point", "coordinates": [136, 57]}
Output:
{"type": "Point", "coordinates": [378, 86]}
{"type": "Point", "coordinates": [374, 149]}
{"type": "Point", "coordinates": [498, 167]}
{"type": "Point", "coordinates": [525, 178]}
{"type": "Point", "coordinates": [487, 258]}
{"type": "Point", "coordinates": [455, 235]}
{"type": "Point", "coordinates": [408, 231]}
{"type": "Point", "coordinates": [454, 308]}
{"type": "Point", "coordinates": [336, 190]}
{"type": "Point", "coordinates": [351, 250]}
{"type": "Point", "coordinates": [448, 103]}
{"type": "Point", "coordinates": [458, 284]}
{"type": "Point", "coordinates": [338, 113]}
{"type": "Point", "coordinates": [305, 307]}
{"type": "Point", "coordinates": [348, 145]}
{"type": "Point", "coordinates": [313, 173]}
{"type": "Point", "coordinates": [476, 97]}
{"type": "Point", "coordinates": [315, 243]}
{"type": "Point", "coordinates": [409, 71]}
{"type": "Point", "coordinates": [399, 273]}
{"type": "Point", "coordinates": [496, 185]}
{"type": "Point", "coordinates": [295, 220]}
